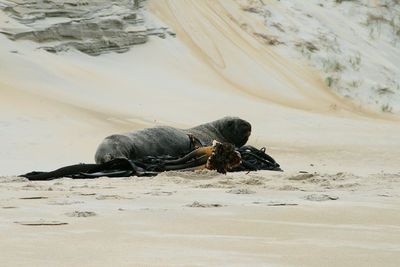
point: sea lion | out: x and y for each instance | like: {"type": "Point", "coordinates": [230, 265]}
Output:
{"type": "Point", "coordinates": [166, 140]}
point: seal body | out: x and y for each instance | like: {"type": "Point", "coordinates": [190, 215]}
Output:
{"type": "Point", "coordinates": [165, 140]}
{"type": "Point", "coordinates": [226, 130]}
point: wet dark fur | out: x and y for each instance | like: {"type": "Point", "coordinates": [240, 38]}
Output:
{"type": "Point", "coordinates": [165, 140]}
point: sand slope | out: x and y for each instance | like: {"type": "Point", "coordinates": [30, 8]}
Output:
{"type": "Point", "coordinates": [213, 68]}
{"type": "Point", "coordinates": [56, 108]}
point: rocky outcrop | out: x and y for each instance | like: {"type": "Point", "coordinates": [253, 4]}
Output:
{"type": "Point", "coordinates": [93, 27]}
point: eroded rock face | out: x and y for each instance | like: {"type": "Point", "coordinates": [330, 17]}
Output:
{"type": "Point", "coordinates": [93, 27]}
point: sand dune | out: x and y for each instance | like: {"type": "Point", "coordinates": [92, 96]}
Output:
{"type": "Point", "coordinates": [213, 68]}
{"type": "Point", "coordinates": [210, 29]}
{"type": "Point", "coordinates": [57, 107]}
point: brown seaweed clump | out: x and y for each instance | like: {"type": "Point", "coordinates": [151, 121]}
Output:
{"type": "Point", "coordinates": [224, 157]}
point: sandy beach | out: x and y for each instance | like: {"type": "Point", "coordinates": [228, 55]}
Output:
{"type": "Point", "coordinates": [337, 202]}
{"type": "Point", "coordinates": [203, 219]}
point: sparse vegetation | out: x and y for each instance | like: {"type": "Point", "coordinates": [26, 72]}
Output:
{"type": "Point", "coordinates": [251, 9]}
{"type": "Point", "coordinates": [377, 21]}
{"type": "Point", "coordinates": [254, 7]}
{"type": "Point", "coordinates": [337, 67]}
{"type": "Point", "coordinates": [384, 91]}
{"type": "Point", "coordinates": [386, 108]}
{"type": "Point", "coordinates": [278, 26]}
{"type": "Point", "coordinates": [331, 81]}
{"type": "Point", "coordinates": [356, 61]}
{"type": "Point", "coordinates": [307, 45]}
{"type": "Point", "coordinates": [340, 1]}
{"type": "Point", "coordinates": [374, 18]}
{"type": "Point", "coordinates": [354, 84]}
{"type": "Point", "coordinates": [350, 68]}
{"type": "Point", "coordinates": [268, 39]}
{"type": "Point", "coordinates": [332, 66]}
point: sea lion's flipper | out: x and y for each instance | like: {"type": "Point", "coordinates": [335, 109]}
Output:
{"type": "Point", "coordinates": [119, 167]}
{"type": "Point", "coordinates": [62, 172]}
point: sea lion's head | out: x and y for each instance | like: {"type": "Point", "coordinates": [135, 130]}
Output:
{"type": "Point", "coordinates": [234, 130]}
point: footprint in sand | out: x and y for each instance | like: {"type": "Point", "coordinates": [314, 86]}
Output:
{"type": "Point", "coordinates": [281, 204]}
{"type": "Point", "coordinates": [252, 181]}
{"type": "Point", "coordinates": [320, 197]}
{"type": "Point", "coordinates": [81, 214]}
{"type": "Point", "coordinates": [276, 203]}
{"type": "Point", "coordinates": [37, 187]}
{"type": "Point", "coordinates": [288, 188]}
{"type": "Point", "coordinates": [197, 204]}
{"type": "Point", "coordinates": [384, 195]}
{"type": "Point", "coordinates": [107, 197]}
{"type": "Point", "coordinates": [241, 191]}
{"type": "Point", "coordinates": [84, 194]}
{"type": "Point", "coordinates": [13, 179]}
{"type": "Point", "coordinates": [160, 193]}
{"type": "Point", "coordinates": [66, 202]}
{"type": "Point", "coordinates": [214, 185]}
{"type": "Point", "coordinates": [301, 177]}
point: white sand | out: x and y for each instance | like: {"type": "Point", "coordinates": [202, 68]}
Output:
{"type": "Point", "coordinates": [354, 44]}
{"type": "Point", "coordinates": [156, 222]}
{"type": "Point", "coordinates": [55, 109]}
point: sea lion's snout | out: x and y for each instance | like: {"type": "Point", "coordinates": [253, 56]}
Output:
{"type": "Point", "coordinates": [241, 132]}
{"type": "Point", "coordinates": [247, 128]}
